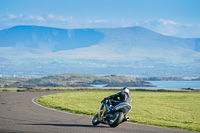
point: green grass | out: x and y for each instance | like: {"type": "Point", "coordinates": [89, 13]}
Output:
{"type": "Point", "coordinates": [8, 89]}
{"type": "Point", "coordinates": [180, 110]}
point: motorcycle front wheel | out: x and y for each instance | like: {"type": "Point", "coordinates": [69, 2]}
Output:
{"type": "Point", "coordinates": [95, 120]}
{"type": "Point", "coordinates": [116, 119]}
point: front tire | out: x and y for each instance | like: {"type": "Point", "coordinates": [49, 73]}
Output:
{"type": "Point", "coordinates": [116, 120]}
{"type": "Point", "coordinates": [95, 120]}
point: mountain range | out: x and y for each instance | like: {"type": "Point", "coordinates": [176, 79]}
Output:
{"type": "Point", "coordinates": [33, 51]}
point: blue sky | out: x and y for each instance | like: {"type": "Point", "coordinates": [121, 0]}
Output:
{"type": "Point", "coordinates": [180, 18]}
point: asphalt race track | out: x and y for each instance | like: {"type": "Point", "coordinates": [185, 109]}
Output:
{"type": "Point", "coordinates": [18, 114]}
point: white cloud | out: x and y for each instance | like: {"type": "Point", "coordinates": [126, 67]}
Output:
{"type": "Point", "coordinates": [98, 21]}
{"type": "Point", "coordinates": [64, 19]}
{"type": "Point", "coordinates": [12, 16]}
{"type": "Point", "coordinates": [167, 27]}
{"type": "Point", "coordinates": [171, 28]}
{"type": "Point", "coordinates": [125, 23]}
{"type": "Point", "coordinates": [167, 22]}
{"type": "Point", "coordinates": [50, 16]}
{"type": "Point", "coordinates": [60, 18]}
{"type": "Point", "coordinates": [35, 17]}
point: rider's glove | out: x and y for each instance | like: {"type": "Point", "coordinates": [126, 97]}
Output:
{"type": "Point", "coordinates": [105, 99]}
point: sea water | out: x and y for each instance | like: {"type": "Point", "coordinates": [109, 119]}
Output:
{"type": "Point", "coordinates": [176, 84]}
{"type": "Point", "coordinates": [164, 85]}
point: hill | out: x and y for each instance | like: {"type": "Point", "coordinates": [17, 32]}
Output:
{"type": "Point", "coordinates": [75, 80]}
{"type": "Point", "coordinates": [35, 51]}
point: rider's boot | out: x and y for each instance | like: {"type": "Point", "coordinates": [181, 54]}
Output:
{"type": "Point", "coordinates": [125, 119]}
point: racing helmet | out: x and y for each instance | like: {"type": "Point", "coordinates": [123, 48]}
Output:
{"type": "Point", "coordinates": [125, 89]}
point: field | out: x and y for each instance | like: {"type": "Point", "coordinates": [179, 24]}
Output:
{"type": "Point", "coordinates": [180, 110]}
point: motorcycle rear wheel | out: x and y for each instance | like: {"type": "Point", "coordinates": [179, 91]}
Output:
{"type": "Point", "coordinates": [116, 119]}
{"type": "Point", "coordinates": [95, 120]}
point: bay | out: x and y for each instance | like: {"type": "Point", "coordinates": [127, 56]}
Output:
{"type": "Point", "coordinates": [175, 84]}
{"type": "Point", "coordinates": [163, 85]}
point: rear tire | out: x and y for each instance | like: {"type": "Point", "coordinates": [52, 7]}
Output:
{"type": "Point", "coordinates": [116, 120]}
{"type": "Point", "coordinates": [95, 120]}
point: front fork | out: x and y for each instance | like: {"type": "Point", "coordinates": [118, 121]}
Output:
{"type": "Point", "coordinates": [101, 112]}
{"type": "Point", "coordinates": [103, 109]}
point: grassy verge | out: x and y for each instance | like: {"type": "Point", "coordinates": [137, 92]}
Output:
{"type": "Point", "coordinates": [179, 110]}
{"type": "Point", "coordinates": [8, 89]}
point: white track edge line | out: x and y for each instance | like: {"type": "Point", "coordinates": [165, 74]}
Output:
{"type": "Point", "coordinates": [33, 100]}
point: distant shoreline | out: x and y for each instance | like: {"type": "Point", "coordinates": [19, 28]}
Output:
{"type": "Point", "coordinates": [60, 89]}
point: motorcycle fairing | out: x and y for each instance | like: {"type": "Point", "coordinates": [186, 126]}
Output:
{"type": "Point", "coordinates": [125, 107]}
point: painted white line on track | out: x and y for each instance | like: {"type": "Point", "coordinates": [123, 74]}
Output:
{"type": "Point", "coordinates": [33, 100]}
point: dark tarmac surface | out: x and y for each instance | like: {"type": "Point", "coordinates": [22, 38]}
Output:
{"type": "Point", "coordinates": [18, 114]}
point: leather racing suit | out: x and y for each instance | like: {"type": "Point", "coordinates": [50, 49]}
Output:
{"type": "Point", "coordinates": [120, 97]}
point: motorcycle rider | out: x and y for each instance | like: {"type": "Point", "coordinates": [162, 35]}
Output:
{"type": "Point", "coordinates": [116, 114]}
{"type": "Point", "coordinates": [122, 97]}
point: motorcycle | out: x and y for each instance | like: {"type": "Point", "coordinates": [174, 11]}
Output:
{"type": "Point", "coordinates": [112, 116]}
